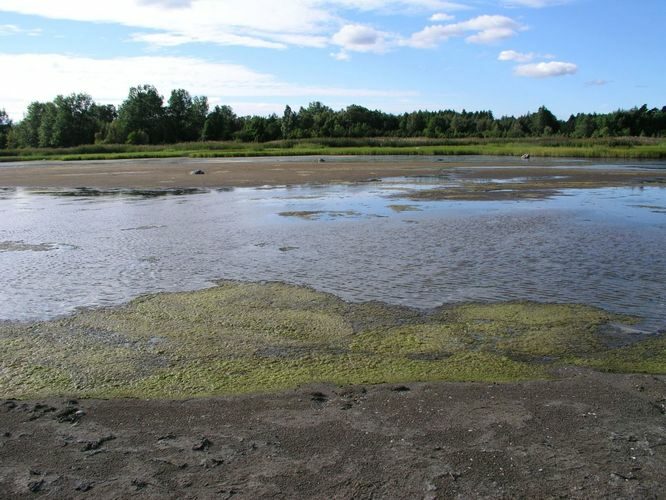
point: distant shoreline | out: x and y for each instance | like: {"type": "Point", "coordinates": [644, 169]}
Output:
{"type": "Point", "coordinates": [169, 173]}
{"type": "Point", "coordinates": [542, 147]}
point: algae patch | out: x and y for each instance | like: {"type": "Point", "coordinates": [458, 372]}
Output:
{"type": "Point", "coordinates": [320, 214]}
{"type": "Point", "coordinates": [404, 208]}
{"type": "Point", "coordinates": [258, 337]}
{"type": "Point", "coordinates": [526, 183]}
{"type": "Point", "coordinates": [21, 246]}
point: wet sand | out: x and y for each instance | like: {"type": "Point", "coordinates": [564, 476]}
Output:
{"type": "Point", "coordinates": [176, 173]}
{"type": "Point", "coordinates": [585, 435]}
{"type": "Point", "coordinates": [534, 179]}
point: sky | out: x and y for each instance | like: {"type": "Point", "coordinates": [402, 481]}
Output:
{"type": "Point", "coordinates": [507, 56]}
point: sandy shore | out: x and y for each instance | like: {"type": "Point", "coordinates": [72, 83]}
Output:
{"type": "Point", "coordinates": [172, 173]}
{"type": "Point", "coordinates": [585, 435]}
{"type": "Point", "coordinates": [176, 172]}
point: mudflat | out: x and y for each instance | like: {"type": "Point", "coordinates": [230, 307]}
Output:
{"type": "Point", "coordinates": [177, 173]}
{"type": "Point", "coordinates": [482, 179]}
{"type": "Point", "coordinates": [584, 435]}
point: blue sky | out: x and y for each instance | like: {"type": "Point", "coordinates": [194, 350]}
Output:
{"type": "Point", "coordinates": [509, 56]}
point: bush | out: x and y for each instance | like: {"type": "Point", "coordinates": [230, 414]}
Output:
{"type": "Point", "coordinates": [138, 137]}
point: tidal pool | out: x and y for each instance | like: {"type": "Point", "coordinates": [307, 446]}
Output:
{"type": "Point", "coordinates": [602, 247]}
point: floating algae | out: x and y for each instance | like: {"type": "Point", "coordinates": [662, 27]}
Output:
{"type": "Point", "coordinates": [320, 214]}
{"type": "Point", "coordinates": [524, 184]}
{"type": "Point", "coordinates": [404, 208]}
{"type": "Point", "coordinates": [21, 246]}
{"type": "Point", "coordinates": [258, 337]}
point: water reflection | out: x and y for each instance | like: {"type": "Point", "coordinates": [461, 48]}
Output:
{"type": "Point", "coordinates": [602, 247]}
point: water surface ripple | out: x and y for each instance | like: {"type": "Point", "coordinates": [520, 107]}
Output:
{"type": "Point", "coordinates": [603, 247]}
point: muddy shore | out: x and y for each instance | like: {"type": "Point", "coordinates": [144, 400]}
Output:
{"type": "Point", "coordinates": [585, 435]}
{"type": "Point", "coordinates": [176, 173]}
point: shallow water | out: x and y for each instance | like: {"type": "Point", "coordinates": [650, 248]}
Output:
{"type": "Point", "coordinates": [603, 247]}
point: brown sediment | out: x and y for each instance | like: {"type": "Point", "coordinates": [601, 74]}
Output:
{"type": "Point", "coordinates": [532, 183]}
{"type": "Point", "coordinates": [404, 208]}
{"type": "Point", "coordinates": [473, 181]}
{"type": "Point", "coordinates": [585, 435]}
{"type": "Point", "coordinates": [318, 214]}
{"type": "Point", "coordinates": [175, 173]}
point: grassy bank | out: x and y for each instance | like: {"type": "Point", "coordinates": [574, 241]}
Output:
{"type": "Point", "coordinates": [245, 337]}
{"type": "Point", "coordinates": [630, 148]}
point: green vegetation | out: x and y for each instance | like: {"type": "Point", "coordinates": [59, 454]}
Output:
{"type": "Point", "coordinates": [636, 148]}
{"type": "Point", "coordinates": [144, 118]}
{"type": "Point", "coordinates": [249, 337]}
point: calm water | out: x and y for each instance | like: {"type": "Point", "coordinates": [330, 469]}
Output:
{"type": "Point", "coordinates": [604, 247]}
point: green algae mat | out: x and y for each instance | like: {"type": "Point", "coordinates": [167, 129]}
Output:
{"type": "Point", "coordinates": [261, 337]}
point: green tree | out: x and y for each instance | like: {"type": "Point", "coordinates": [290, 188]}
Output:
{"type": "Point", "coordinates": [142, 111]}
{"type": "Point", "coordinates": [75, 121]}
{"type": "Point", "coordinates": [47, 123]}
{"type": "Point", "coordinates": [220, 125]}
{"type": "Point", "coordinates": [5, 128]}
{"type": "Point", "coordinates": [288, 122]}
{"type": "Point", "coordinates": [186, 116]}
{"type": "Point", "coordinates": [26, 133]}
{"type": "Point", "coordinates": [542, 121]}
{"type": "Point", "coordinates": [585, 126]}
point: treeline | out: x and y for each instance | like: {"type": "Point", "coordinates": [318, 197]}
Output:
{"type": "Point", "coordinates": [144, 118]}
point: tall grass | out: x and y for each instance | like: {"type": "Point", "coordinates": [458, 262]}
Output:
{"type": "Point", "coordinates": [616, 147]}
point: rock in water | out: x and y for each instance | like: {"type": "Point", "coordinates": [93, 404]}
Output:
{"type": "Point", "coordinates": [526, 156]}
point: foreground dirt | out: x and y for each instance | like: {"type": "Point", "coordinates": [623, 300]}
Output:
{"type": "Point", "coordinates": [583, 435]}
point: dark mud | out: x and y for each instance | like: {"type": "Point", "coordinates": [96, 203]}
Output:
{"type": "Point", "coordinates": [585, 435]}
{"type": "Point", "coordinates": [531, 183]}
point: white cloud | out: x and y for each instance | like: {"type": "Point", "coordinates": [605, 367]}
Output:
{"type": "Point", "coordinates": [535, 4]}
{"type": "Point", "coordinates": [488, 29]}
{"type": "Point", "coordinates": [512, 55]}
{"type": "Point", "coordinates": [360, 38]}
{"type": "Point", "coordinates": [407, 6]}
{"type": "Point", "coordinates": [169, 4]}
{"type": "Point", "coordinates": [12, 29]}
{"type": "Point", "coordinates": [253, 23]}
{"type": "Point", "coordinates": [491, 35]}
{"type": "Point", "coordinates": [257, 23]}
{"type": "Point", "coordinates": [546, 69]}
{"type": "Point", "coordinates": [109, 80]}
{"type": "Point", "coordinates": [174, 39]}
{"type": "Point", "coordinates": [342, 55]}
{"type": "Point", "coordinates": [441, 16]}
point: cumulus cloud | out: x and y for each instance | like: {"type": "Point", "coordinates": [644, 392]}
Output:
{"type": "Point", "coordinates": [399, 5]}
{"type": "Point", "coordinates": [441, 16]}
{"type": "Point", "coordinates": [484, 29]}
{"type": "Point", "coordinates": [108, 80]}
{"type": "Point", "coordinates": [361, 38]}
{"type": "Point", "coordinates": [512, 55]}
{"type": "Point", "coordinates": [546, 69]}
{"type": "Point", "coordinates": [341, 55]}
{"type": "Point", "coordinates": [253, 23]}
{"type": "Point", "coordinates": [535, 4]}
{"type": "Point", "coordinates": [169, 4]}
